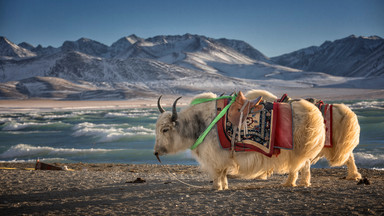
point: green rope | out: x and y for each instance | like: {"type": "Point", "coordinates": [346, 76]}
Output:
{"type": "Point", "coordinates": [217, 118]}
{"type": "Point", "coordinates": [203, 100]}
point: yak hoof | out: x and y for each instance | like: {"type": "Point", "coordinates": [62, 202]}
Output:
{"type": "Point", "coordinates": [220, 188]}
{"type": "Point", "coordinates": [217, 187]}
{"type": "Point", "coordinates": [263, 176]}
{"type": "Point", "coordinates": [289, 184]}
{"type": "Point", "coordinates": [355, 176]}
{"type": "Point", "coordinates": [305, 184]}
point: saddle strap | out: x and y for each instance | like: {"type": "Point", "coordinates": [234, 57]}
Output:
{"type": "Point", "coordinates": [241, 122]}
{"type": "Point", "coordinates": [233, 141]}
{"type": "Point", "coordinates": [215, 120]}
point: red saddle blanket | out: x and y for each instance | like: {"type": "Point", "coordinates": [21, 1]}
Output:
{"type": "Point", "coordinates": [326, 110]}
{"type": "Point", "coordinates": [268, 130]}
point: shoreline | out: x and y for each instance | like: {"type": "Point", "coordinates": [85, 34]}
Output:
{"type": "Point", "coordinates": [54, 105]}
{"type": "Point", "coordinates": [51, 105]}
{"type": "Point", "coordinates": [106, 189]}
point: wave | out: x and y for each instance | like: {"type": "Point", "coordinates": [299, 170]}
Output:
{"type": "Point", "coordinates": [50, 116]}
{"type": "Point", "coordinates": [362, 160]}
{"type": "Point", "coordinates": [62, 115]}
{"type": "Point", "coordinates": [367, 105]}
{"type": "Point", "coordinates": [369, 160]}
{"type": "Point", "coordinates": [24, 150]}
{"type": "Point", "coordinates": [93, 125]}
{"type": "Point", "coordinates": [47, 160]}
{"type": "Point", "coordinates": [33, 132]}
{"type": "Point", "coordinates": [58, 116]}
{"type": "Point", "coordinates": [87, 112]}
{"type": "Point", "coordinates": [14, 126]}
{"type": "Point", "coordinates": [28, 153]}
{"type": "Point", "coordinates": [5, 120]}
{"type": "Point", "coordinates": [108, 133]}
{"type": "Point", "coordinates": [129, 114]}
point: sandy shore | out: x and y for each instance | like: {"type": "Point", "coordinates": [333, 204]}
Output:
{"type": "Point", "coordinates": [106, 189]}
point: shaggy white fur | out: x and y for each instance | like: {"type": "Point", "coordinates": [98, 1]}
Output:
{"type": "Point", "coordinates": [346, 133]}
{"type": "Point", "coordinates": [179, 135]}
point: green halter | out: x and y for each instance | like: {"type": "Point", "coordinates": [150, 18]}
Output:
{"type": "Point", "coordinates": [217, 118]}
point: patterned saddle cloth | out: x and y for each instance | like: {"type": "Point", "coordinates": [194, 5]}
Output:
{"type": "Point", "coordinates": [268, 130]}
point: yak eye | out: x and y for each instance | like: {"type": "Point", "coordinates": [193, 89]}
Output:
{"type": "Point", "coordinates": [165, 130]}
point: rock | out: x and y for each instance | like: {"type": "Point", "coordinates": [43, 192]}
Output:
{"type": "Point", "coordinates": [137, 180]}
{"type": "Point", "coordinates": [364, 181]}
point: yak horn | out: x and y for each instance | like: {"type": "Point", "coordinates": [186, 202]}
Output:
{"type": "Point", "coordinates": [174, 111]}
{"type": "Point", "coordinates": [157, 156]}
{"type": "Point", "coordinates": [159, 106]}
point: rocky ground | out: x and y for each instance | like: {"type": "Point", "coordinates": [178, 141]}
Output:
{"type": "Point", "coordinates": [126, 189]}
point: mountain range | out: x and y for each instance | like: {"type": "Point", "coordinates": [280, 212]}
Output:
{"type": "Point", "coordinates": [179, 64]}
{"type": "Point", "coordinates": [350, 56]}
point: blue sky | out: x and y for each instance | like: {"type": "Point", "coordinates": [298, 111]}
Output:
{"type": "Point", "coordinates": [273, 27]}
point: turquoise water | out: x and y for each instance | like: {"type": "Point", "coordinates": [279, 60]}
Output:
{"type": "Point", "coordinates": [128, 136]}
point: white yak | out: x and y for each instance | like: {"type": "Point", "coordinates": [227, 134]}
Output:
{"type": "Point", "coordinates": [346, 132]}
{"type": "Point", "coordinates": [178, 131]}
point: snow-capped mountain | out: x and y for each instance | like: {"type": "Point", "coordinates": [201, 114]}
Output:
{"type": "Point", "coordinates": [74, 59]}
{"type": "Point", "coordinates": [26, 45]}
{"type": "Point", "coordinates": [122, 46]}
{"type": "Point", "coordinates": [86, 46]}
{"type": "Point", "coordinates": [9, 50]}
{"type": "Point", "coordinates": [45, 51]}
{"type": "Point", "coordinates": [350, 56]}
{"type": "Point", "coordinates": [244, 48]}
{"type": "Point", "coordinates": [224, 57]}
{"type": "Point", "coordinates": [86, 69]}
{"type": "Point", "coordinates": [373, 64]}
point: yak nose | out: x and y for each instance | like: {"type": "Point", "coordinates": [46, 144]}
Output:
{"type": "Point", "coordinates": [157, 156]}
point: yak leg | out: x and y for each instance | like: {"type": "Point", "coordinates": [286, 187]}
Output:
{"type": "Point", "coordinates": [220, 180]}
{"type": "Point", "coordinates": [265, 175]}
{"type": "Point", "coordinates": [224, 180]}
{"type": "Point", "coordinates": [291, 180]}
{"type": "Point", "coordinates": [306, 174]}
{"type": "Point", "coordinates": [353, 173]}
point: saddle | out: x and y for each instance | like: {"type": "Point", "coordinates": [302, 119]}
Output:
{"type": "Point", "coordinates": [239, 110]}
{"type": "Point", "coordinates": [255, 126]}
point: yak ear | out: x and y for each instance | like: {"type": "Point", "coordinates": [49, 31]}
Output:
{"type": "Point", "coordinates": [174, 111]}
{"type": "Point", "coordinates": [175, 123]}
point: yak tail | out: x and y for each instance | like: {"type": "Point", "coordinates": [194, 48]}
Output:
{"type": "Point", "coordinates": [346, 134]}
